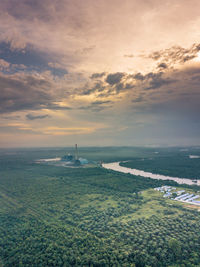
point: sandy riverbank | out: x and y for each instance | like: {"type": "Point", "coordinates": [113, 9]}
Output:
{"type": "Point", "coordinates": [116, 167]}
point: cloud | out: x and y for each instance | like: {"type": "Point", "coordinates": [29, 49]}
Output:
{"type": "Point", "coordinates": [28, 56]}
{"type": "Point", "coordinates": [116, 83]}
{"type": "Point", "coordinates": [151, 80]}
{"type": "Point", "coordinates": [11, 117]}
{"type": "Point", "coordinates": [98, 102]}
{"type": "Point", "coordinates": [162, 66]}
{"type": "Point", "coordinates": [53, 106]}
{"type": "Point", "coordinates": [130, 56]}
{"type": "Point", "coordinates": [59, 36]}
{"type": "Point", "coordinates": [156, 80]}
{"type": "Point", "coordinates": [86, 50]}
{"type": "Point", "coordinates": [170, 94]}
{"type": "Point", "coordinates": [4, 65]}
{"type": "Point", "coordinates": [98, 105]}
{"type": "Point", "coordinates": [97, 86]}
{"type": "Point", "coordinates": [74, 59]}
{"type": "Point", "coordinates": [24, 92]}
{"type": "Point", "coordinates": [97, 75]}
{"type": "Point", "coordinates": [54, 130]}
{"type": "Point", "coordinates": [138, 76]}
{"type": "Point", "coordinates": [138, 99]}
{"type": "Point", "coordinates": [35, 117]}
{"type": "Point", "coordinates": [29, 59]}
{"type": "Point", "coordinates": [175, 54]}
{"type": "Point", "coordinates": [114, 78]}
{"type": "Point", "coordinates": [17, 128]}
{"type": "Point", "coordinates": [113, 84]}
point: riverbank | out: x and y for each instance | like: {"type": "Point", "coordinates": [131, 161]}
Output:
{"type": "Point", "coordinates": [116, 167]}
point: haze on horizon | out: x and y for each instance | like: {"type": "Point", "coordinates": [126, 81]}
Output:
{"type": "Point", "coordinates": [104, 72]}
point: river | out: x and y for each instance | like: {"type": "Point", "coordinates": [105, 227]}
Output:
{"type": "Point", "coordinates": [116, 167]}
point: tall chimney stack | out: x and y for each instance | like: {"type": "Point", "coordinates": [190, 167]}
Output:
{"type": "Point", "coordinates": [76, 152]}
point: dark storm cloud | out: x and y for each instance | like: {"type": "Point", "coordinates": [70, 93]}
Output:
{"type": "Point", "coordinates": [114, 78]}
{"type": "Point", "coordinates": [151, 80]}
{"type": "Point", "coordinates": [113, 84]}
{"type": "Point", "coordinates": [49, 12]}
{"type": "Point", "coordinates": [180, 94]}
{"type": "Point", "coordinates": [119, 87]}
{"type": "Point", "coordinates": [27, 56]}
{"type": "Point", "coordinates": [121, 82]}
{"type": "Point", "coordinates": [176, 54]}
{"type": "Point", "coordinates": [24, 92]}
{"type": "Point", "coordinates": [186, 106]}
{"type": "Point", "coordinates": [138, 76]}
{"type": "Point", "coordinates": [97, 75]}
{"type": "Point", "coordinates": [156, 80]}
{"type": "Point", "coordinates": [98, 87]}
{"type": "Point", "coordinates": [35, 117]}
{"type": "Point", "coordinates": [28, 59]}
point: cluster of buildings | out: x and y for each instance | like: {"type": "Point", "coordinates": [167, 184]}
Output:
{"type": "Point", "coordinates": [74, 160]}
{"type": "Point", "coordinates": [180, 195]}
{"type": "Point", "coordinates": [67, 160]}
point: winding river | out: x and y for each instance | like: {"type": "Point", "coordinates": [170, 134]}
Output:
{"type": "Point", "coordinates": [116, 167]}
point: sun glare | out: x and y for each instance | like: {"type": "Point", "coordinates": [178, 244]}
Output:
{"type": "Point", "coordinates": [197, 58]}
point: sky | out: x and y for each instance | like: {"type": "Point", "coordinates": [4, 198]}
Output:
{"type": "Point", "coordinates": [99, 73]}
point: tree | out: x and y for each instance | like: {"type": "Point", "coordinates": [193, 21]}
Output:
{"type": "Point", "coordinates": [175, 247]}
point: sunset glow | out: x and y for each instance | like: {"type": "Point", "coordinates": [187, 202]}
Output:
{"type": "Point", "coordinates": [119, 64]}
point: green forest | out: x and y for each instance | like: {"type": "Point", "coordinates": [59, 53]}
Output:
{"type": "Point", "coordinates": [168, 163]}
{"type": "Point", "coordinates": [58, 216]}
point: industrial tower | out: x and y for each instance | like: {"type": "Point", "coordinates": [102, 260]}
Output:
{"type": "Point", "coordinates": [76, 152]}
{"type": "Point", "coordinates": [77, 161]}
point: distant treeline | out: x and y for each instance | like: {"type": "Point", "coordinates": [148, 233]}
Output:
{"type": "Point", "coordinates": [174, 166]}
